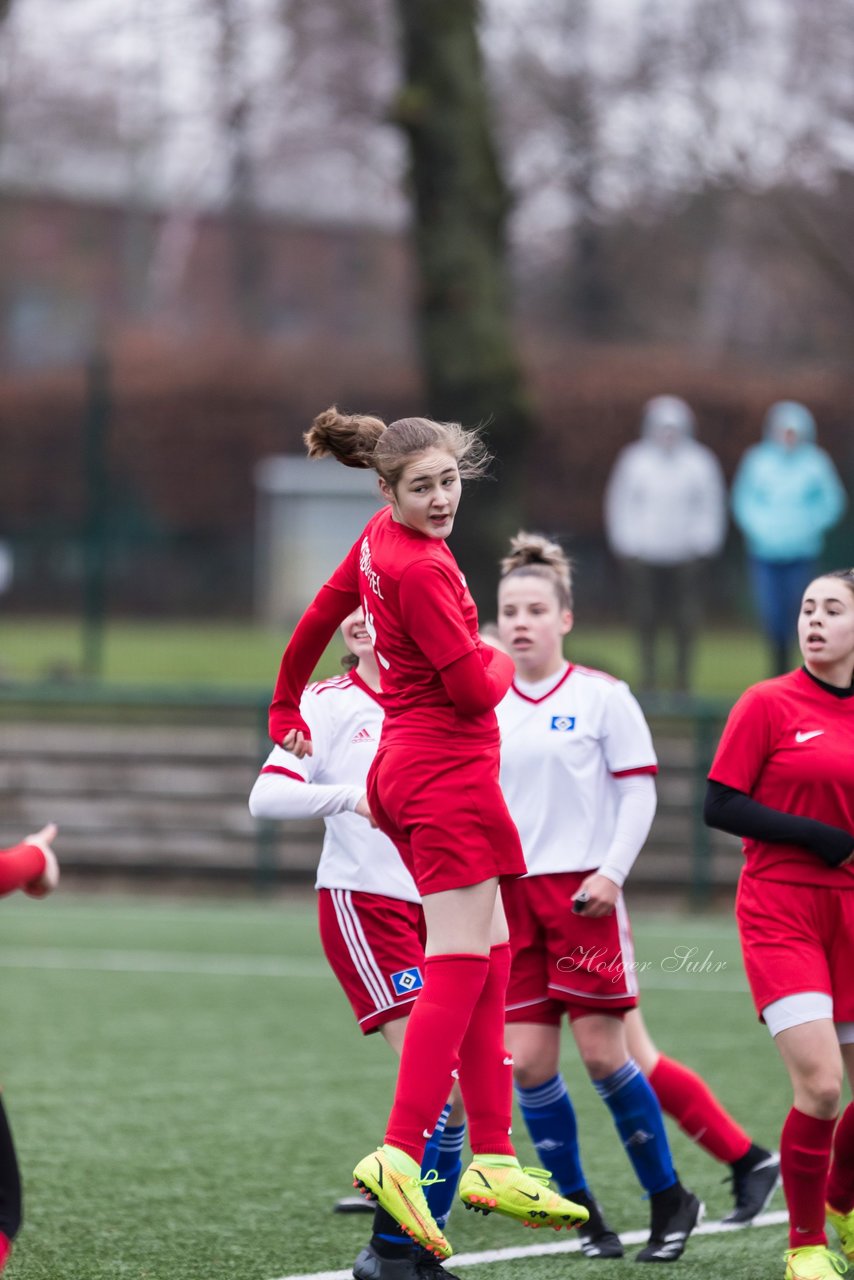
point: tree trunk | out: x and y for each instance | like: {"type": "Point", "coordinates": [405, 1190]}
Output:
{"type": "Point", "coordinates": [460, 205]}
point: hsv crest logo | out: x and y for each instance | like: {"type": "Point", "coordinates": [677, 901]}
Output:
{"type": "Point", "coordinates": [563, 724]}
{"type": "Point", "coordinates": [405, 981]}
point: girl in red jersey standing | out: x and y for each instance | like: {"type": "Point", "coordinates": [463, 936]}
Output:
{"type": "Point", "coordinates": [31, 866]}
{"type": "Point", "coordinates": [783, 779]}
{"type": "Point", "coordinates": [433, 789]}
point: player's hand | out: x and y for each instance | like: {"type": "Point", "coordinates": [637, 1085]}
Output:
{"type": "Point", "coordinates": [601, 895]}
{"type": "Point", "coordinates": [297, 744]}
{"type": "Point", "coordinates": [49, 878]}
{"type": "Point", "coordinates": [364, 809]}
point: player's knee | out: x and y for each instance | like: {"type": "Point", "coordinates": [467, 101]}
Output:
{"type": "Point", "coordinates": [529, 1072]}
{"type": "Point", "coordinates": [821, 1091]}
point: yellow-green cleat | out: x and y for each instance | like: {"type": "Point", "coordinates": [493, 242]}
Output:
{"type": "Point", "coordinates": [843, 1225]}
{"type": "Point", "coordinates": [814, 1262]}
{"type": "Point", "coordinates": [394, 1180]}
{"type": "Point", "coordinates": [523, 1194]}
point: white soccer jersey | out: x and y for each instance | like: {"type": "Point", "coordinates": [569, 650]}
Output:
{"type": "Point", "coordinates": [345, 719]}
{"type": "Point", "coordinates": [564, 741]}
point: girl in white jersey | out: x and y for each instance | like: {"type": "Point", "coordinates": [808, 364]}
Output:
{"type": "Point", "coordinates": [577, 771]}
{"type": "Point", "coordinates": [369, 912]}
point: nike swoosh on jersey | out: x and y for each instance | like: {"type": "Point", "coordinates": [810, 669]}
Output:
{"type": "Point", "coordinates": [805, 737]}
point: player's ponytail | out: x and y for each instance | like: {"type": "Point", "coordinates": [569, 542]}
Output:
{"type": "Point", "coordinates": [350, 438]}
{"type": "Point", "coordinates": [538, 557]}
{"type": "Point", "coordinates": [358, 440]}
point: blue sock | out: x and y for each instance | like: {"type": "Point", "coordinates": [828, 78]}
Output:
{"type": "Point", "coordinates": [431, 1151]}
{"type": "Point", "coordinates": [449, 1165]}
{"type": "Point", "coordinates": [550, 1117]}
{"type": "Point", "coordinates": [640, 1124]}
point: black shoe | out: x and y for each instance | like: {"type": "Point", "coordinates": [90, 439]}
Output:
{"type": "Point", "coordinates": [429, 1266]}
{"type": "Point", "coordinates": [354, 1204]}
{"type": "Point", "coordinates": [675, 1214]}
{"type": "Point", "coordinates": [370, 1266]}
{"type": "Point", "coordinates": [754, 1187]}
{"type": "Point", "coordinates": [597, 1238]}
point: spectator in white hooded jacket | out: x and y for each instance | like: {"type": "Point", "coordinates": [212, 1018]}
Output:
{"type": "Point", "coordinates": [665, 513]}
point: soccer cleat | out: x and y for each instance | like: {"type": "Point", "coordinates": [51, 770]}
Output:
{"type": "Point", "coordinates": [354, 1204]}
{"type": "Point", "coordinates": [518, 1193]}
{"type": "Point", "coordinates": [416, 1264]}
{"type": "Point", "coordinates": [429, 1267]}
{"type": "Point", "coordinates": [814, 1262]}
{"type": "Point", "coordinates": [394, 1180]}
{"type": "Point", "coordinates": [598, 1240]}
{"type": "Point", "coordinates": [753, 1189]}
{"type": "Point", "coordinates": [675, 1214]}
{"type": "Point", "coordinates": [843, 1225]}
{"type": "Point", "coordinates": [370, 1266]}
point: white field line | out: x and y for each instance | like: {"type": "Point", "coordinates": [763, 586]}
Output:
{"type": "Point", "coordinates": [116, 960]}
{"type": "Point", "coordinates": [775, 1219]}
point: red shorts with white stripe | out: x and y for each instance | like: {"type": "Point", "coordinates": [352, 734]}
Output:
{"type": "Point", "coordinates": [447, 817]}
{"type": "Point", "coordinates": [566, 963]}
{"type": "Point", "coordinates": [797, 938]}
{"type": "Point", "coordinates": [375, 946]}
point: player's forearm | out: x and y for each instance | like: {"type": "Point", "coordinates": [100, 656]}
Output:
{"type": "Point", "coordinates": [311, 636]}
{"type": "Point", "coordinates": [635, 812]}
{"type": "Point", "coordinates": [478, 681]}
{"type": "Point", "coordinates": [19, 866]}
{"type": "Point", "coordinates": [737, 813]}
{"type": "Point", "coordinates": [275, 795]}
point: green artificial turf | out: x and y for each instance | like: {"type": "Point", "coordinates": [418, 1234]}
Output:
{"type": "Point", "coordinates": [189, 1093]}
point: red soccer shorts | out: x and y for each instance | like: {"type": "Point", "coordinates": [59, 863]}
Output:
{"type": "Point", "coordinates": [566, 963]}
{"type": "Point", "coordinates": [796, 938]}
{"type": "Point", "coordinates": [375, 946]}
{"type": "Point", "coordinates": [443, 809]}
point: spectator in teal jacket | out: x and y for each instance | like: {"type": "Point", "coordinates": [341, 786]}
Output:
{"type": "Point", "coordinates": [785, 496]}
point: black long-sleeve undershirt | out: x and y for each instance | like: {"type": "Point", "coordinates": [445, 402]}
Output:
{"type": "Point", "coordinates": [738, 813]}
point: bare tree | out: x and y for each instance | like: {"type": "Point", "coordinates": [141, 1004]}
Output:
{"type": "Point", "coordinates": [460, 205]}
{"type": "Point", "coordinates": [235, 108]}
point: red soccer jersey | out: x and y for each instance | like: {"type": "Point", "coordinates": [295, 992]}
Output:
{"type": "Point", "coordinates": [789, 744]}
{"type": "Point", "coordinates": [420, 616]}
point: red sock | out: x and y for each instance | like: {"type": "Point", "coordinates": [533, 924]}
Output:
{"type": "Point", "coordinates": [19, 865]}
{"type": "Point", "coordinates": [431, 1047]}
{"type": "Point", "coordinates": [840, 1183]}
{"type": "Point", "coordinates": [691, 1103]}
{"type": "Point", "coordinates": [804, 1160]}
{"type": "Point", "coordinates": [486, 1068]}
{"type": "Point", "coordinates": [5, 1249]}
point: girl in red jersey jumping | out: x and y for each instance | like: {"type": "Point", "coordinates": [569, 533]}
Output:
{"type": "Point", "coordinates": [783, 779]}
{"type": "Point", "coordinates": [31, 866]}
{"type": "Point", "coordinates": [433, 789]}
